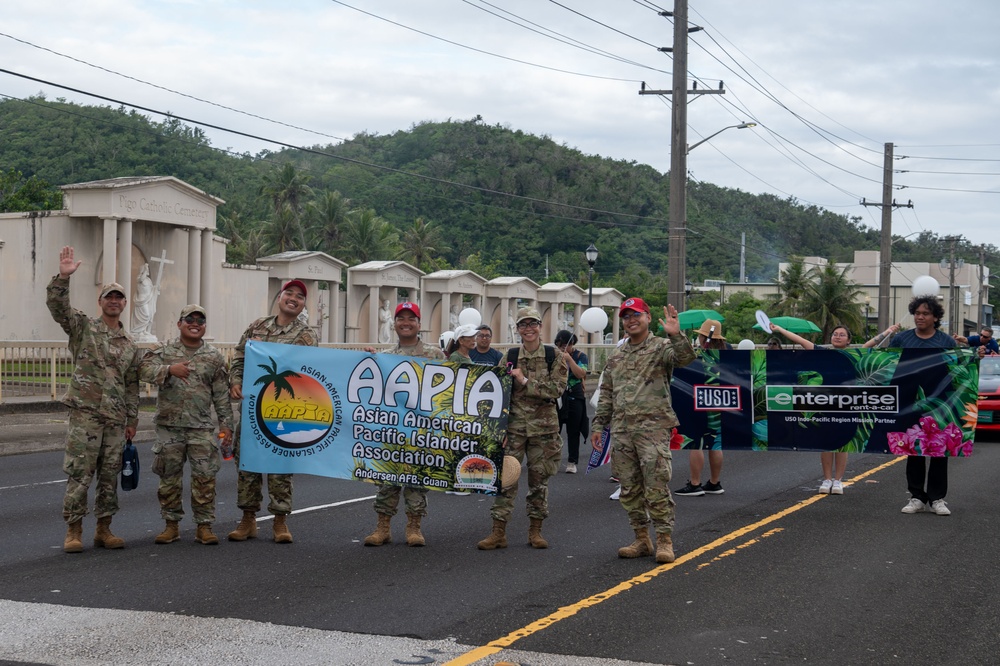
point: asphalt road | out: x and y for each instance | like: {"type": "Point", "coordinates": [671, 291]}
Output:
{"type": "Point", "coordinates": [768, 573]}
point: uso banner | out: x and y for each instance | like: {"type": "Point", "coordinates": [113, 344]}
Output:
{"type": "Point", "coordinates": [374, 417]}
{"type": "Point", "coordinates": [895, 401]}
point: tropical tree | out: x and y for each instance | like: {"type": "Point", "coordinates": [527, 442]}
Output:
{"type": "Point", "coordinates": [832, 299]}
{"type": "Point", "coordinates": [325, 218]}
{"type": "Point", "coordinates": [368, 237]}
{"type": "Point", "coordinates": [792, 284]}
{"type": "Point", "coordinates": [286, 187]}
{"type": "Point", "coordinates": [421, 242]}
{"type": "Point", "coordinates": [283, 232]}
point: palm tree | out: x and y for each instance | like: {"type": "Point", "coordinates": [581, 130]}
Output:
{"type": "Point", "coordinates": [283, 232]}
{"type": "Point", "coordinates": [286, 187]}
{"type": "Point", "coordinates": [793, 284]}
{"type": "Point", "coordinates": [831, 300]}
{"type": "Point", "coordinates": [325, 217]}
{"type": "Point", "coordinates": [279, 379]}
{"type": "Point", "coordinates": [420, 243]}
{"type": "Point", "coordinates": [368, 237]}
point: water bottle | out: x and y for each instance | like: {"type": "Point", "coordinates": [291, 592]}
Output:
{"type": "Point", "coordinates": [226, 447]}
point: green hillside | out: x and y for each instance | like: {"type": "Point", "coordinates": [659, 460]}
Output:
{"type": "Point", "coordinates": [458, 194]}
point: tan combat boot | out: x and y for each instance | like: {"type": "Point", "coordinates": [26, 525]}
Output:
{"type": "Point", "coordinates": [414, 537]}
{"type": "Point", "coordinates": [104, 537]}
{"type": "Point", "coordinates": [497, 538]}
{"type": "Point", "coordinates": [247, 529]}
{"type": "Point", "coordinates": [205, 535]}
{"type": "Point", "coordinates": [281, 533]}
{"type": "Point", "coordinates": [169, 534]}
{"type": "Point", "coordinates": [535, 534]}
{"type": "Point", "coordinates": [664, 549]}
{"type": "Point", "coordinates": [74, 537]}
{"type": "Point", "coordinates": [641, 547]}
{"type": "Point", "coordinates": [381, 535]}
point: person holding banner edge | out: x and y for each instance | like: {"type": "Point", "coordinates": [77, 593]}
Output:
{"type": "Point", "coordinates": [538, 374]}
{"type": "Point", "coordinates": [406, 322]}
{"type": "Point", "coordinates": [286, 328]}
{"type": "Point", "coordinates": [834, 463]}
{"type": "Point", "coordinates": [635, 402]}
{"type": "Point", "coordinates": [927, 482]}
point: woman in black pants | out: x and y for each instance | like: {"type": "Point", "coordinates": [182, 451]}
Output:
{"type": "Point", "coordinates": [574, 403]}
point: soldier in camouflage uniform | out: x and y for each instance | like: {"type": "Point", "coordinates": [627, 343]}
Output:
{"type": "Point", "coordinates": [407, 325]}
{"type": "Point", "coordinates": [191, 378]}
{"type": "Point", "coordinates": [532, 429]}
{"type": "Point", "coordinates": [284, 327]}
{"type": "Point", "coordinates": [103, 401]}
{"type": "Point", "coordinates": [635, 402]}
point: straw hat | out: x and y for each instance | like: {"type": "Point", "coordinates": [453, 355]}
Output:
{"type": "Point", "coordinates": [511, 471]}
{"type": "Point", "coordinates": [711, 329]}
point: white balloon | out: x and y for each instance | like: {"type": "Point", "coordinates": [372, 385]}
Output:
{"type": "Point", "coordinates": [594, 320]}
{"type": "Point", "coordinates": [470, 317]}
{"type": "Point", "coordinates": [746, 344]}
{"type": "Point", "coordinates": [925, 285]}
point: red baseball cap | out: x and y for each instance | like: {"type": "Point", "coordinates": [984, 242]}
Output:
{"type": "Point", "coordinates": [296, 283]}
{"type": "Point", "coordinates": [412, 307]}
{"type": "Point", "coordinates": [636, 304]}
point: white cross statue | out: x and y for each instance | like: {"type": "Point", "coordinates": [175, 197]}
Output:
{"type": "Point", "coordinates": [162, 259]}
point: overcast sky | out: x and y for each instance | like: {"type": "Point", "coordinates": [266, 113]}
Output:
{"type": "Point", "coordinates": [828, 83]}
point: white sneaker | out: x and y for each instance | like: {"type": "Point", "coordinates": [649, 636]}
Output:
{"type": "Point", "coordinates": [617, 494]}
{"type": "Point", "coordinates": [940, 507]}
{"type": "Point", "coordinates": [916, 506]}
{"type": "Point", "coordinates": [837, 488]}
{"type": "Point", "coordinates": [571, 468]}
{"type": "Point", "coordinates": [824, 488]}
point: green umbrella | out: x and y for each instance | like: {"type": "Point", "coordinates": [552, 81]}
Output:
{"type": "Point", "coordinates": [793, 324]}
{"type": "Point", "coordinates": [694, 318]}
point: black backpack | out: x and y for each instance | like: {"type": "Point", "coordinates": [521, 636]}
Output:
{"type": "Point", "coordinates": [550, 356]}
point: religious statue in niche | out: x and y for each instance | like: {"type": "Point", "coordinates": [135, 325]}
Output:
{"type": "Point", "coordinates": [453, 318]}
{"type": "Point", "coordinates": [143, 307]}
{"type": "Point", "coordinates": [385, 328]}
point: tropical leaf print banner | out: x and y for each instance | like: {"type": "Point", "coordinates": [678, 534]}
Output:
{"type": "Point", "coordinates": [894, 401]}
{"type": "Point", "coordinates": [373, 417]}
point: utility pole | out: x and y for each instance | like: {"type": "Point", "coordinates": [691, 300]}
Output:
{"type": "Point", "coordinates": [885, 252]}
{"type": "Point", "coordinates": [952, 301]}
{"type": "Point", "coordinates": [677, 253]}
{"type": "Point", "coordinates": [982, 287]}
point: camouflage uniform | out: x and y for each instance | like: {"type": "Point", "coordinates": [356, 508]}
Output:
{"type": "Point", "coordinates": [533, 431]}
{"type": "Point", "coordinates": [415, 499]}
{"type": "Point", "coordinates": [635, 401]}
{"type": "Point", "coordinates": [249, 485]}
{"type": "Point", "coordinates": [103, 399]}
{"type": "Point", "coordinates": [184, 424]}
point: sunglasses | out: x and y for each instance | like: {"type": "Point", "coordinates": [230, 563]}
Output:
{"type": "Point", "coordinates": [193, 319]}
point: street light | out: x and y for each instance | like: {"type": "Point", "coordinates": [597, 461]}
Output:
{"type": "Point", "coordinates": [868, 304]}
{"type": "Point", "coordinates": [740, 126]}
{"type": "Point", "coordinates": [591, 254]}
{"type": "Point", "coordinates": [677, 256]}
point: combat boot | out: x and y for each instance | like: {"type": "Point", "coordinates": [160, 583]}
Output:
{"type": "Point", "coordinates": [169, 534]}
{"type": "Point", "coordinates": [664, 548]}
{"type": "Point", "coordinates": [205, 535]}
{"type": "Point", "coordinates": [74, 537]}
{"type": "Point", "coordinates": [104, 537]}
{"type": "Point", "coordinates": [281, 533]}
{"type": "Point", "coordinates": [381, 535]}
{"type": "Point", "coordinates": [641, 547]}
{"type": "Point", "coordinates": [535, 534]}
{"type": "Point", "coordinates": [414, 537]}
{"type": "Point", "coordinates": [247, 529]}
{"type": "Point", "coordinates": [497, 538]}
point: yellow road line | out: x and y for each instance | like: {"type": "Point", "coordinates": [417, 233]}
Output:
{"type": "Point", "coordinates": [498, 645]}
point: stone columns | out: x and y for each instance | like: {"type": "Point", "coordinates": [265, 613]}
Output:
{"type": "Point", "coordinates": [110, 251]}
{"type": "Point", "coordinates": [374, 303]}
{"type": "Point", "coordinates": [205, 299]}
{"type": "Point", "coordinates": [124, 269]}
{"type": "Point", "coordinates": [194, 266]}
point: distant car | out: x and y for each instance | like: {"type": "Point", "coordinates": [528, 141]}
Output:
{"type": "Point", "coordinates": [989, 394]}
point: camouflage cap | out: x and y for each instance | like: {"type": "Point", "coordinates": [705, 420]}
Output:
{"type": "Point", "coordinates": [193, 308]}
{"type": "Point", "coordinates": [527, 313]}
{"type": "Point", "coordinates": [113, 286]}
